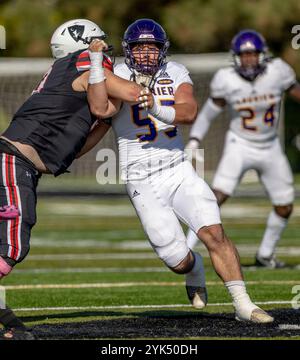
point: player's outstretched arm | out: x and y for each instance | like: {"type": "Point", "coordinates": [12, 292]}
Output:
{"type": "Point", "coordinates": [96, 90]}
{"type": "Point", "coordinates": [122, 89]}
{"type": "Point", "coordinates": [93, 82]}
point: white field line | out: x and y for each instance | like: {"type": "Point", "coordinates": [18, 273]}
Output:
{"type": "Point", "coordinates": [134, 284]}
{"type": "Point", "coordinates": [102, 256]}
{"type": "Point", "coordinates": [91, 210]}
{"type": "Point", "coordinates": [66, 308]}
{"type": "Point", "coordinates": [238, 211]}
{"type": "Point", "coordinates": [91, 270]}
{"type": "Point", "coordinates": [243, 250]}
{"type": "Point", "coordinates": [142, 244]}
{"type": "Point", "coordinates": [93, 243]}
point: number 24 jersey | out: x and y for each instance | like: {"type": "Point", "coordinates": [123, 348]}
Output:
{"type": "Point", "coordinates": [254, 105]}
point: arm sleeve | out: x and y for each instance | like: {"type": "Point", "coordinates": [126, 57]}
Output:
{"type": "Point", "coordinates": [287, 75]}
{"type": "Point", "coordinates": [183, 77]}
{"type": "Point", "coordinates": [83, 62]}
{"type": "Point", "coordinates": [218, 86]}
{"type": "Point", "coordinates": [204, 119]}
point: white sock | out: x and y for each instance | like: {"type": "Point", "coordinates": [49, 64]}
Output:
{"type": "Point", "coordinates": [196, 277]}
{"type": "Point", "coordinates": [192, 239]}
{"type": "Point", "coordinates": [275, 226]}
{"type": "Point", "coordinates": [241, 300]}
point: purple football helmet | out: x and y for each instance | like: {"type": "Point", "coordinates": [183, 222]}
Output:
{"type": "Point", "coordinates": [249, 41]}
{"type": "Point", "coordinates": [140, 32]}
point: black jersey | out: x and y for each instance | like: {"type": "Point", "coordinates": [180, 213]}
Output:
{"type": "Point", "coordinates": [56, 120]}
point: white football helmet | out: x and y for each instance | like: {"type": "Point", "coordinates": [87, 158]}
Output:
{"type": "Point", "coordinates": [74, 35]}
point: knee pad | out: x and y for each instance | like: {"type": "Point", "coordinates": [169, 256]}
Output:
{"type": "Point", "coordinates": [168, 242]}
{"type": "Point", "coordinates": [5, 269]}
{"type": "Point", "coordinates": [173, 254]}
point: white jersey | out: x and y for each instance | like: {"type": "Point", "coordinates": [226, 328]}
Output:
{"type": "Point", "coordinates": [254, 105]}
{"type": "Point", "coordinates": [145, 143]}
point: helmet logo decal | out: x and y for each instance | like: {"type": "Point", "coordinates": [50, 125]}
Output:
{"type": "Point", "coordinates": [247, 46]}
{"type": "Point", "coordinates": [76, 31]}
{"type": "Point", "coordinates": [146, 36]}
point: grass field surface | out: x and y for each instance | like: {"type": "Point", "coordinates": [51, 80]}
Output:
{"type": "Point", "coordinates": [92, 274]}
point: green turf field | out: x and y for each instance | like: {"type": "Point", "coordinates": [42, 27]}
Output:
{"type": "Point", "coordinates": [91, 270]}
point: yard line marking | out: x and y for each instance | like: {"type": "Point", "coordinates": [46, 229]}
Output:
{"type": "Point", "coordinates": [93, 243]}
{"type": "Point", "coordinates": [139, 306]}
{"type": "Point", "coordinates": [248, 250]}
{"type": "Point", "coordinates": [102, 256]}
{"type": "Point", "coordinates": [142, 244]}
{"type": "Point", "coordinates": [91, 270]}
{"type": "Point", "coordinates": [91, 210]}
{"type": "Point", "coordinates": [86, 286]}
{"type": "Point", "coordinates": [255, 268]}
{"type": "Point", "coordinates": [247, 212]}
{"type": "Point", "coordinates": [132, 284]}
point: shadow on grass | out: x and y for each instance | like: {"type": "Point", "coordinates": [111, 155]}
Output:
{"type": "Point", "coordinates": [163, 324]}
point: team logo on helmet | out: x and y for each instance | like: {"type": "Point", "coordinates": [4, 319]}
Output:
{"type": "Point", "coordinates": [76, 31]}
{"type": "Point", "coordinates": [74, 35]}
{"type": "Point", "coordinates": [146, 37]}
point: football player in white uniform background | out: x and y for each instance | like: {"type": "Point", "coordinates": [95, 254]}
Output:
{"type": "Point", "coordinates": [161, 183]}
{"type": "Point", "coordinates": [253, 91]}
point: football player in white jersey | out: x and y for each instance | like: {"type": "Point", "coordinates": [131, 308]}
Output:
{"type": "Point", "coordinates": [252, 89]}
{"type": "Point", "coordinates": [161, 183]}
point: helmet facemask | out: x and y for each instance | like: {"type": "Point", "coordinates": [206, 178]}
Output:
{"type": "Point", "coordinates": [145, 46]}
{"type": "Point", "coordinates": [250, 72]}
{"type": "Point", "coordinates": [145, 57]}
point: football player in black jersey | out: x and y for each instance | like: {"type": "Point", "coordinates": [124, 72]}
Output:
{"type": "Point", "coordinates": [49, 131]}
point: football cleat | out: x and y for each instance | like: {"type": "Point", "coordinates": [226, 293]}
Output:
{"type": "Point", "coordinates": [8, 212]}
{"type": "Point", "coordinates": [17, 334]}
{"type": "Point", "coordinates": [271, 262]}
{"type": "Point", "coordinates": [258, 316]}
{"type": "Point", "coordinates": [197, 296]}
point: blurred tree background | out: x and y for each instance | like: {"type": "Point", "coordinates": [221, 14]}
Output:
{"type": "Point", "coordinates": [193, 26]}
